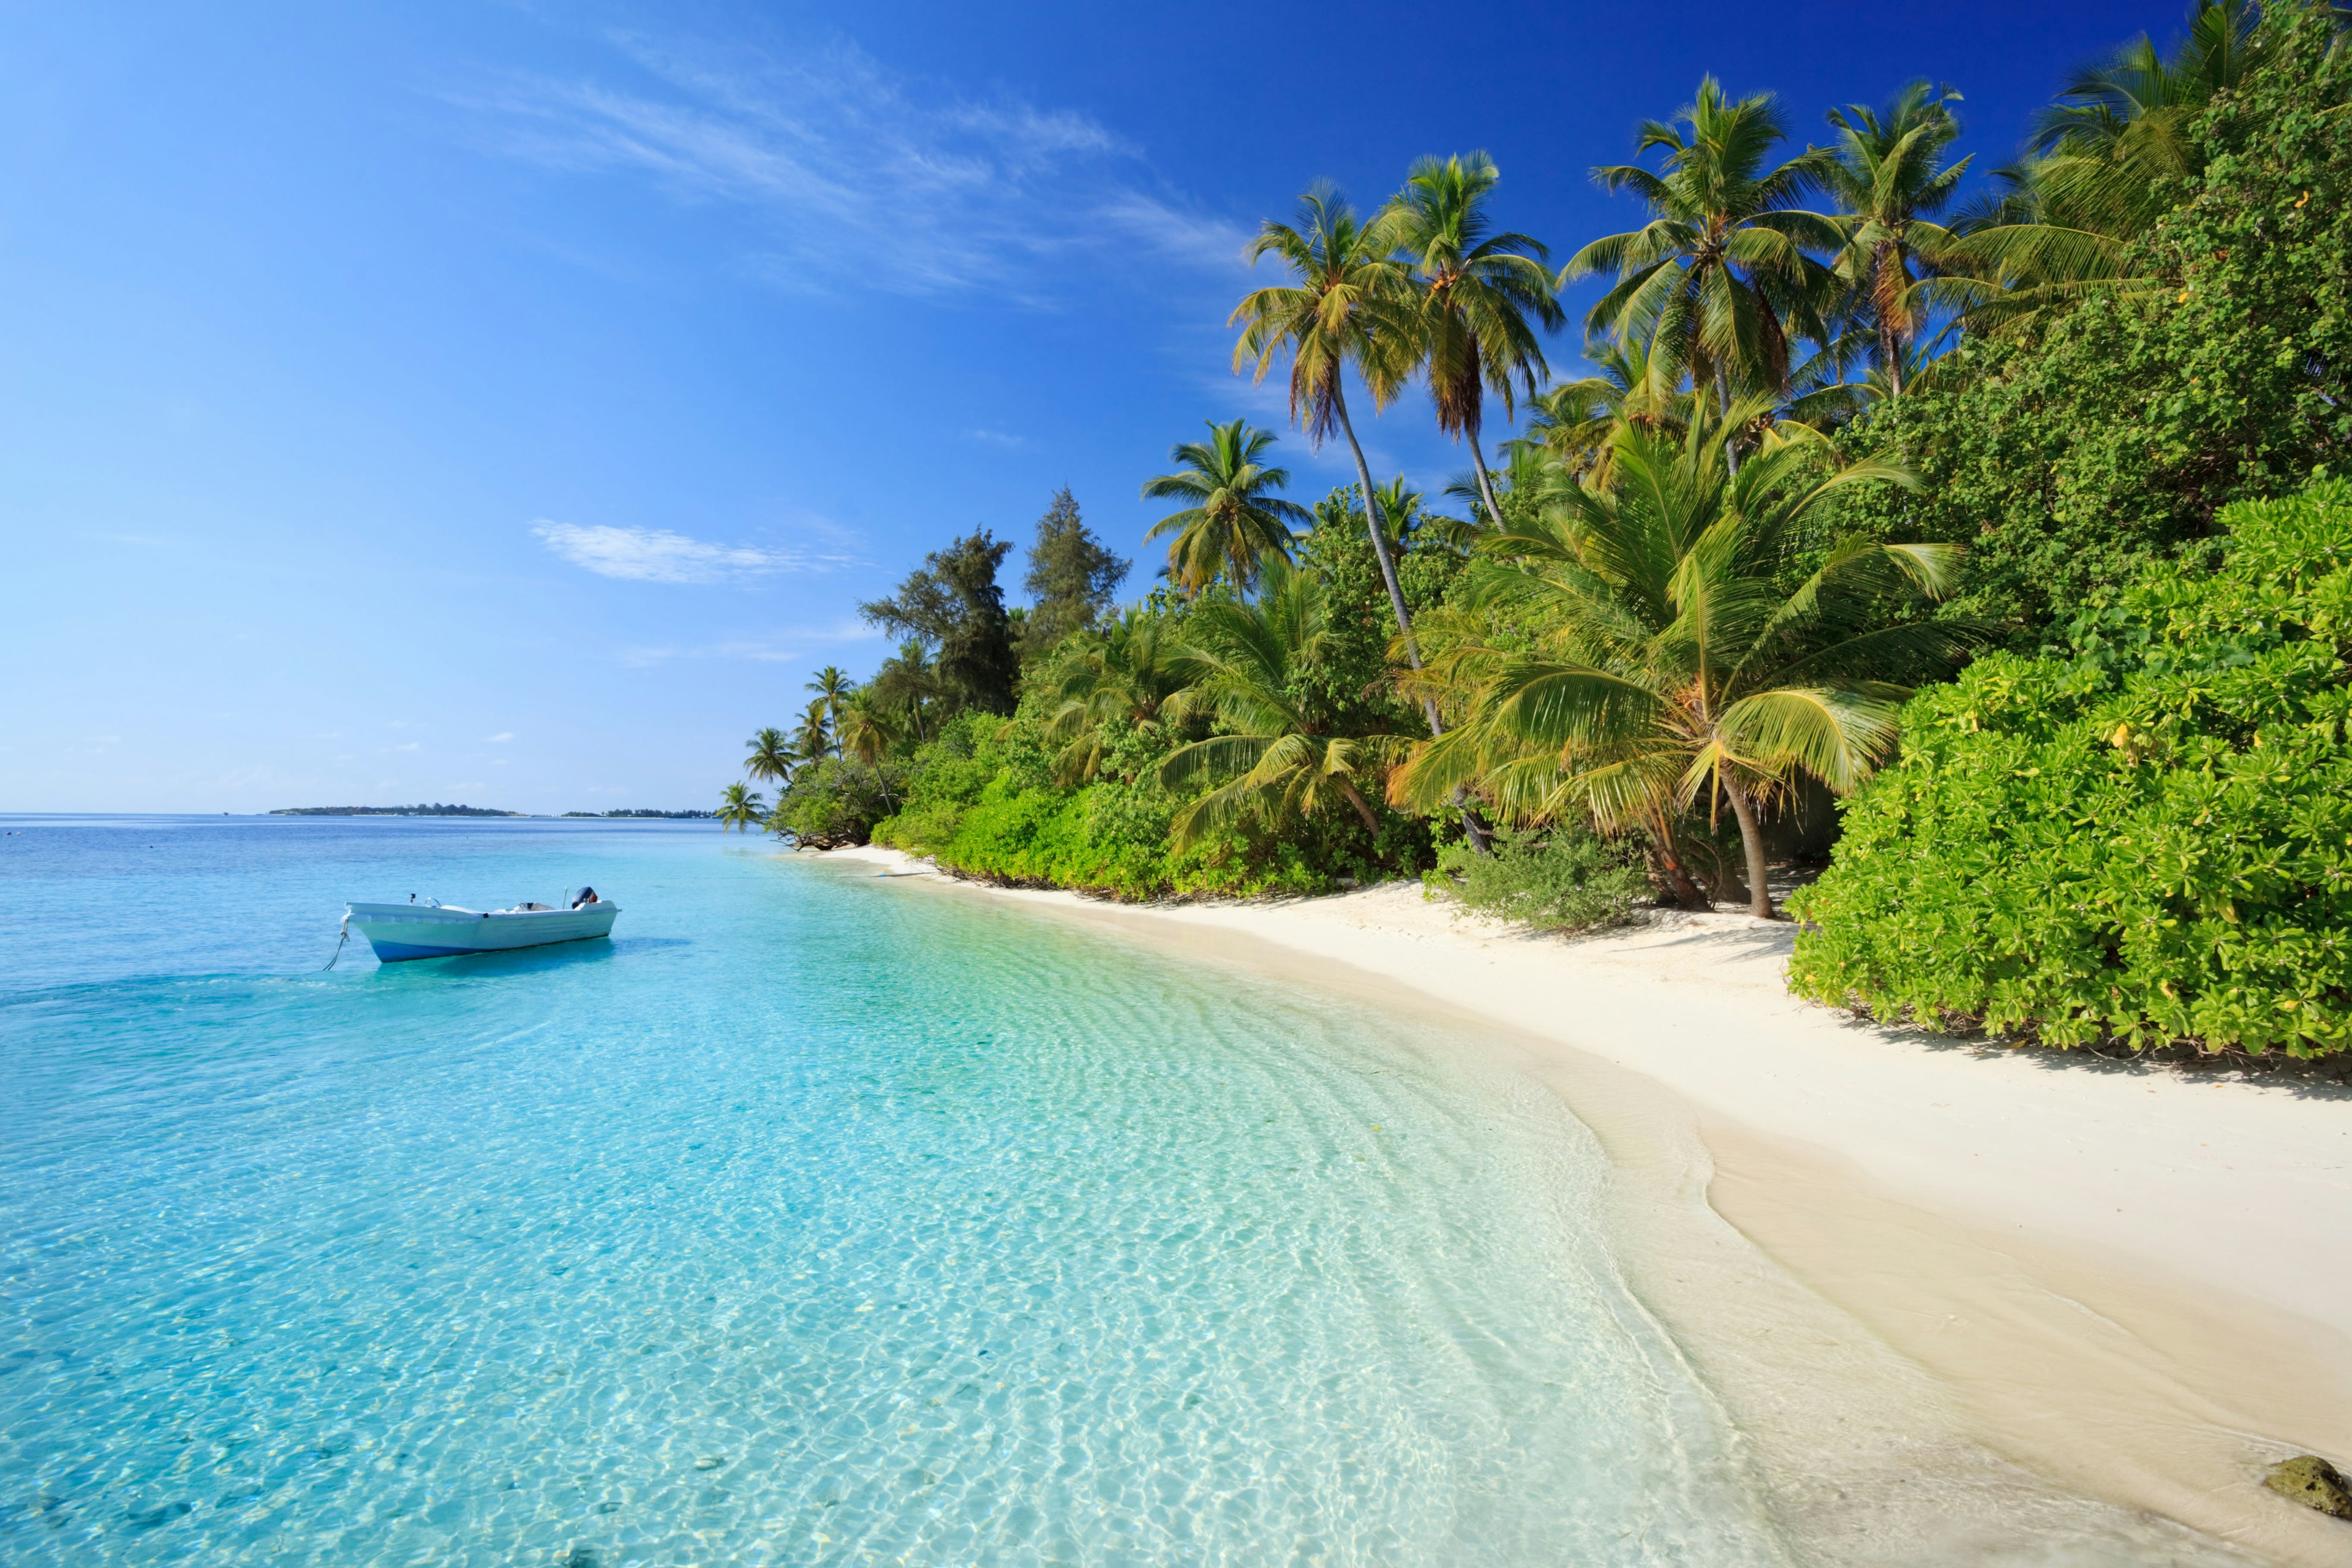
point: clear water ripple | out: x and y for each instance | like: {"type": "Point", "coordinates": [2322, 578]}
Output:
{"type": "Point", "coordinates": [814, 1220]}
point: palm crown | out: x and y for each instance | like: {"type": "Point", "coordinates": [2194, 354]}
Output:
{"type": "Point", "coordinates": [1574, 421]}
{"type": "Point", "coordinates": [2099, 168]}
{"type": "Point", "coordinates": [1890, 175]}
{"type": "Point", "coordinates": [834, 689]}
{"type": "Point", "coordinates": [1719, 276]}
{"type": "Point", "coordinates": [772, 755]}
{"type": "Point", "coordinates": [1478, 291]}
{"type": "Point", "coordinates": [1126, 676]}
{"type": "Point", "coordinates": [739, 805]}
{"type": "Point", "coordinates": [1247, 663]}
{"type": "Point", "coordinates": [1235, 523]}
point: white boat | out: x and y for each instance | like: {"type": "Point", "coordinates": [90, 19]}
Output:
{"type": "Point", "coordinates": [400, 931]}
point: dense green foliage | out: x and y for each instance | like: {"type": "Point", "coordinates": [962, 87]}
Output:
{"type": "Point", "coordinates": [1823, 457]}
{"type": "Point", "coordinates": [1569, 879]}
{"type": "Point", "coordinates": [2150, 838]}
{"type": "Point", "coordinates": [1070, 791]}
{"type": "Point", "coordinates": [835, 801]}
{"type": "Point", "coordinates": [984, 802]}
{"type": "Point", "coordinates": [2088, 443]}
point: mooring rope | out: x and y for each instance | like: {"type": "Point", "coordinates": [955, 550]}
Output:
{"type": "Point", "coordinates": [338, 943]}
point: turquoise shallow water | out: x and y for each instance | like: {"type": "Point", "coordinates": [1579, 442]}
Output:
{"type": "Point", "coordinates": [813, 1219]}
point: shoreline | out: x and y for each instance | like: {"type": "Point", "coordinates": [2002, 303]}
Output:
{"type": "Point", "coordinates": [2125, 1278]}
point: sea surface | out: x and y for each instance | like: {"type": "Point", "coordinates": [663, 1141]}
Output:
{"type": "Point", "coordinates": [817, 1218]}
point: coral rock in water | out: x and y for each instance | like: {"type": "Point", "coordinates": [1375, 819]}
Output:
{"type": "Point", "coordinates": [2313, 1482]}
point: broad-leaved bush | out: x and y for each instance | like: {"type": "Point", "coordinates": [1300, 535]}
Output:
{"type": "Point", "coordinates": [2149, 841]}
{"type": "Point", "coordinates": [1567, 877]}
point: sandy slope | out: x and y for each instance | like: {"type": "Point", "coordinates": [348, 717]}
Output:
{"type": "Point", "coordinates": [2136, 1280]}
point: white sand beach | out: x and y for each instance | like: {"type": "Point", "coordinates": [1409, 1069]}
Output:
{"type": "Point", "coordinates": [1904, 1259]}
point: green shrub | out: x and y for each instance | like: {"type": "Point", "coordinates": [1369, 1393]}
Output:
{"type": "Point", "coordinates": [835, 802]}
{"type": "Point", "coordinates": [983, 803]}
{"type": "Point", "coordinates": [2149, 841]}
{"type": "Point", "coordinates": [947, 777]}
{"type": "Point", "coordinates": [1564, 879]}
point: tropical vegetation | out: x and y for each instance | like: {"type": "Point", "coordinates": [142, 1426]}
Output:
{"type": "Point", "coordinates": [1993, 502]}
{"type": "Point", "coordinates": [2146, 837]}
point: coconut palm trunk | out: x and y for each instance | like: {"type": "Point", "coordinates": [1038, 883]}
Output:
{"type": "Point", "coordinates": [1486, 479]}
{"type": "Point", "coordinates": [1472, 828]}
{"type": "Point", "coordinates": [1667, 857]}
{"type": "Point", "coordinates": [1723, 410]}
{"type": "Point", "coordinates": [1888, 277]}
{"type": "Point", "coordinates": [1751, 840]}
{"type": "Point", "coordinates": [1380, 547]}
{"type": "Point", "coordinates": [1363, 807]}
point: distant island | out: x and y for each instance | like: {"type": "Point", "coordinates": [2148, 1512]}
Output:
{"type": "Point", "coordinates": [393, 811]}
{"type": "Point", "coordinates": [665, 815]}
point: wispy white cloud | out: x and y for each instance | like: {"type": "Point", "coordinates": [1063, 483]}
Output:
{"type": "Point", "coordinates": [757, 652]}
{"type": "Point", "coordinates": [787, 648]}
{"type": "Point", "coordinates": [409, 746]}
{"type": "Point", "coordinates": [996, 439]}
{"type": "Point", "coordinates": [499, 739]}
{"type": "Point", "coordinates": [659, 555]}
{"type": "Point", "coordinates": [872, 179]}
{"type": "Point", "coordinates": [646, 658]}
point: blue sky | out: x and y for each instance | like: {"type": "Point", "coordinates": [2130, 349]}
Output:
{"type": "Point", "coordinates": [511, 403]}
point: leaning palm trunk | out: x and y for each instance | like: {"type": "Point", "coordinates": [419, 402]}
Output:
{"type": "Point", "coordinates": [1752, 842]}
{"type": "Point", "coordinates": [1723, 405]}
{"type": "Point", "coordinates": [1472, 828]}
{"type": "Point", "coordinates": [1373, 524]}
{"type": "Point", "coordinates": [1486, 480]}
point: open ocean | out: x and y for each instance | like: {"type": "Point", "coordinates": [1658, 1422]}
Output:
{"type": "Point", "coordinates": [815, 1218]}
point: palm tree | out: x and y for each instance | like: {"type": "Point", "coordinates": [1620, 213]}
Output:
{"type": "Point", "coordinates": [2137, 104]}
{"type": "Point", "coordinates": [1350, 305]}
{"type": "Point", "coordinates": [1890, 176]}
{"type": "Point", "coordinates": [1477, 291]}
{"type": "Point", "coordinates": [907, 684]}
{"type": "Point", "coordinates": [772, 755]}
{"type": "Point", "coordinates": [832, 688]}
{"type": "Point", "coordinates": [1126, 675]}
{"type": "Point", "coordinates": [1234, 522]}
{"type": "Point", "coordinates": [740, 806]}
{"type": "Point", "coordinates": [864, 730]}
{"type": "Point", "coordinates": [1574, 421]}
{"type": "Point", "coordinates": [1670, 661]}
{"type": "Point", "coordinates": [1412, 525]}
{"type": "Point", "coordinates": [812, 739]}
{"type": "Point", "coordinates": [1713, 284]}
{"type": "Point", "coordinates": [1274, 756]}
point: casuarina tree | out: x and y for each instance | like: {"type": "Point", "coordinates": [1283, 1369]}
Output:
{"type": "Point", "coordinates": [1071, 577]}
{"type": "Point", "coordinates": [952, 604]}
